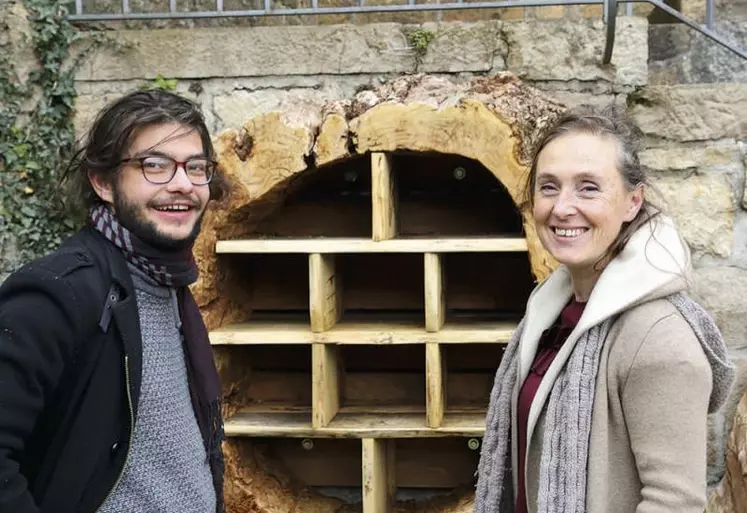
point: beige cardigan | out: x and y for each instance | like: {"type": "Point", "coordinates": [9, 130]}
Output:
{"type": "Point", "coordinates": [647, 451]}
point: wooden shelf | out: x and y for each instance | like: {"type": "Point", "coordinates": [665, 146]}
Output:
{"type": "Point", "coordinates": [296, 424]}
{"type": "Point", "coordinates": [362, 245]}
{"type": "Point", "coordinates": [263, 333]}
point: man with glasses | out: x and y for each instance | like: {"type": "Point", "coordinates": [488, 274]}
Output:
{"type": "Point", "coordinates": [109, 396]}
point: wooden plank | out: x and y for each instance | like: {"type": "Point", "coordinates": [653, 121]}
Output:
{"type": "Point", "coordinates": [435, 385]}
{"type": "Point", "coordinates": [435, 302]}
{"type": "Point", "coordinates": [361, 333]}
{"type": "Point", "coordinates": [325, 388]}
{"type": "Point", "coordinates": [369, 424]}
{"type": "Point", "coordinates": [378, 475]}
{"type": "Point", "coordinates": [361, 245]}
{"type": "Point", "coordinates": [383, 198]}
{"type": "Point", "coordinates": [325, 294]}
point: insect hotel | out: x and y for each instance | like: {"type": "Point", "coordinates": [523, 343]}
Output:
{"type": "Point", "coordinates": [359, 287]}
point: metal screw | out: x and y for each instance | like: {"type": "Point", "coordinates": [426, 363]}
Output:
{"type": "Point", "coordinates": [473, 444]}
{"type": "Point", "coordinates": [460, 173]}
{"type": "Point", "coordinates": [351, 176]}
{"type": "Point", "coordinates": [307, 444]}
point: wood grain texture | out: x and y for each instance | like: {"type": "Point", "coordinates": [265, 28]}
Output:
{"type": "Point", "coordinates": [435, 385]}
{"type": "Point", "coordinates": [435, 298]}
{"type": "Point", "coordinates": [325, 292]}
{"type": "Point", "coordinates": [378, 475]}
{"type": "Point", "coordinates": [383, 197]}
{"type": "Point", "coordinates": [325, 387]}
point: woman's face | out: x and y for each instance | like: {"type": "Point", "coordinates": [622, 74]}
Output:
{"type": "Point", "coordinates": [580, 200]}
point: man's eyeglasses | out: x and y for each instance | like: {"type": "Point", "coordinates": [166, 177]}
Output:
{"type": "Point", "coordinates": [160, 170]}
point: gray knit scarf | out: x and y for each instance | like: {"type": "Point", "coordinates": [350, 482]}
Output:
{"type": "Point", "coordinates": [565, 447]}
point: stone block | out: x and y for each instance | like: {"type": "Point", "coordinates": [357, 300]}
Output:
{"type": "Point", "coordinates": [568, 50]}
{"type": "Point", "coordinates": [680, 55]}
{"type": "Point", "coordinates": [87, 106]}
{"type": "Point", "coordinates": [719, 157]}
{"type": "Point", "coordinates": [692, 112]}
{"type": "Point", "coordinates": [573, 99]}
{"type": "Point", "coordinates": [461, 46]}
{"type": "Point", "coordinates": [290, 50]}
{"type": "Point", "coordinates": [550, 12]}
{"type": "Point", "coordinates": [592, 11]}
{"type": "Point", "coordinates": [703, 207]}
{"type": "Point", "coordinates": [513, 14]}
{"type": "Point", "coordinates": [298, 106]}
{"type": "Point", "coordinates": [721, 290]}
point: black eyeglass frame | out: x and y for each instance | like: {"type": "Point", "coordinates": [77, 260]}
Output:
{"type": "Point", "coordinates": [177, 164]}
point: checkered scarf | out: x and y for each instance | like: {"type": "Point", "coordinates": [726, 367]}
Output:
{"type": "Point", "coordinates": [169, 269]}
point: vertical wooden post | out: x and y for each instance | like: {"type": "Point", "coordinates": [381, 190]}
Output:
{"type": "Point", "coordinates": [383, 197]}
{"type": "Point", "coordinates": [435, 385]}
{"type": "Point", "coordinates": [378, 475]}
{"type": "Point", "coordinates": [324, 292]}
{"type": "Point", "coordinates": [435, 302]}
{"type": "Point", "coordinates": [325, 387]}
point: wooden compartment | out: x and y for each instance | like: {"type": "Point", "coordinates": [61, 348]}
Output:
{"type": "Point", "coordinates": [382, 379]}
{"type": "Point", "coordinates": [377, 285]}
{"type": "Point", "coordinates": [450, 196]}
{"type": "Point", "coordinates": [470, 369]}
{"type": "Point", "coordinates": [480, 286]}
{"type": "Point", "coordinates": [271, 286]}
{"type": "Point", "coordinates": [266, 381]}
{"type": "Point", "coordinates": [320, 462]}
{"type": "Point", "coordinates": [333, 201]}
{"type": "Point", "coordinates": [435, 463]}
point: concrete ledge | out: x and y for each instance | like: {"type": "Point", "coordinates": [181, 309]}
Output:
{"type": "Point", "coordinates": [537, 50]}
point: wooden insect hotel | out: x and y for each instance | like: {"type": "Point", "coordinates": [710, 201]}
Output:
{"type": "Point", "coordinates": [359, 287]}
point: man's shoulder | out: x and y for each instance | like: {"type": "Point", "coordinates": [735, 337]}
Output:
{"type": "Point", "coordinates": [79, 262]}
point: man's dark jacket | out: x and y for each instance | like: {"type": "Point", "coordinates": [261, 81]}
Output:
{"type": "Point", "coordinates": [70, 368]}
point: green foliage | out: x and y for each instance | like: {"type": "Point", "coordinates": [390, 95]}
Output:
{"type": "Point", "coordinates": [161, 82]}
{"type": "Point", "coordinates": [37, 137]}
{"type": "Point", "coordinates": [419, 39]}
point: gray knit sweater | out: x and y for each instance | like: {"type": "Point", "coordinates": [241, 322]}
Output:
{"type": "Point", "coordinates": [166, 469]}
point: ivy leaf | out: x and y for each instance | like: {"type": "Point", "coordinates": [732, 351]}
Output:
{"type": "Point", "coordinates": [28, 211]}
{"type": "Point", "coordinates": [20, 150]}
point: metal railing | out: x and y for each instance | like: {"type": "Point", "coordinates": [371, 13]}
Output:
{"type": "Point", "coordinates": [610, 8]}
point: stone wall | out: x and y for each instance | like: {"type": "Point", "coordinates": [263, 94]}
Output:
{"type": "Point", "coordinates": [690, 100]}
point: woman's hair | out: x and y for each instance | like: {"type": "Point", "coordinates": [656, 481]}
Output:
{"type": "Point", "coordinates": [609, 123]}
{"type": "Point", "coordinates": [112, 132]}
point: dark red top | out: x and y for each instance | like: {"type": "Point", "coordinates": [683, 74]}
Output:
{"type": "Point", "coordinates": [550, 343]}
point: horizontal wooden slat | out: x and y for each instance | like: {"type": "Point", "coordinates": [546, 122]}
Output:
{"type": "Point", "coordinates": [361, 333]}
{"type": "Point", "coordinates": [355, 425]}
{"type": "Point", "coordinates": [364, 245]}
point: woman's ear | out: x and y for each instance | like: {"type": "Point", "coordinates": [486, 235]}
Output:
{"type": "Point", "coordinates": [635, 202]}
{"type": "Point", "coordinates": [102, 187]}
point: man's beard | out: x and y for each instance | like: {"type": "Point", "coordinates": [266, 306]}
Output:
{"type": "Point", "coordinates": [146, 230]}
